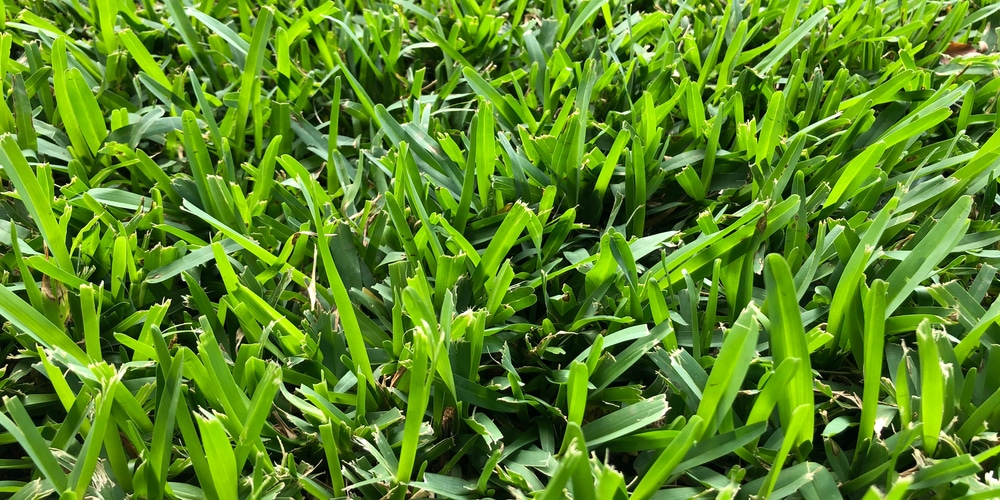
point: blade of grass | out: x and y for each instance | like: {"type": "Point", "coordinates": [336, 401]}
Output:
{"type": "Point", "coordinates": [26, 434]}
{"type": "Point", "coordinates": [932, 387]}
{"type": "Point", "coordinates": [664, 465]}
{"type": "Point", "coordinates": [787, 341]}
{"type": "Point", "coordinates": [220, 455]}
{"type": "Point", "coordinates": [874, 337]}
{"type": "Point", "coordinates": [728, 372]}
{"type": "Point", "coordinates": [38, 204]}
{"type": "Point", "coordinates": [938, 242]}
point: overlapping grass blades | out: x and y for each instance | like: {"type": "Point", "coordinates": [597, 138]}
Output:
{"type": "Point", "coordinates": [612, 248]}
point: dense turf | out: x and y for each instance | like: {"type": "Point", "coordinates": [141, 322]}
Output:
{"type": "Point", "coordinates": [435, 248]}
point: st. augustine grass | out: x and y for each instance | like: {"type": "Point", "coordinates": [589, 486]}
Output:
{"type": "Point", "coordinates": [449, 249]}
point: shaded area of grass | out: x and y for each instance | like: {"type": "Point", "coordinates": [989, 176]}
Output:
{"type": "Point", "coordinates": [609, 249]}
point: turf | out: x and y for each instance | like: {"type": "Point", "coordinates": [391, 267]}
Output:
{"type": "Point", "coordinates": [419, 248]}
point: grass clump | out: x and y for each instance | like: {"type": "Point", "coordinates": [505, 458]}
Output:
{"type": "Point", "coordinates": [607, 249]}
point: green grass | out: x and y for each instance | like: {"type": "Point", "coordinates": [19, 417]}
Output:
{"type": "Point", "coordinates": [606, 249]}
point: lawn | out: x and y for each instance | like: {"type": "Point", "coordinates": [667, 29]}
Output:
{"type": "Point", "coordinates": [606, 249]}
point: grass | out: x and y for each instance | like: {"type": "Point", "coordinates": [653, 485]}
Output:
{"type": "Point", "coordinates": [411, 249]}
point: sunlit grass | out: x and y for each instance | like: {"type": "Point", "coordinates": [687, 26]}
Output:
{"type": "Point", "coordinates": [517, 249]}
